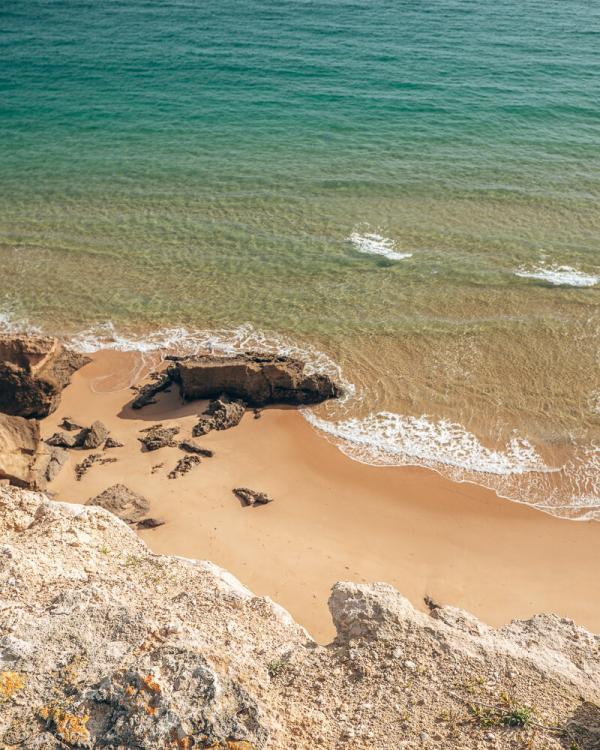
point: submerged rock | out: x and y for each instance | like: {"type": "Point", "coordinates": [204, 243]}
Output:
{"type": "Point", "coordinates": [33, 372]}
{"type": "Point", "coordinates": [256, 379]}
{"type": "Point", "coordinates": [123, 502]}
{"type": "Point", "coordinates": [159, 437]}
{"type": "Point", "coordinates": [221, 414]}
{"type": "Point", "coordinates": [251, 497]}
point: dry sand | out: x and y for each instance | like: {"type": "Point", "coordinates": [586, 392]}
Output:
{"type": "Point", "coordinates": [333, 518]}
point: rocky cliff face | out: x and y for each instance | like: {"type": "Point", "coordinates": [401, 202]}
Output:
{"type": "Point", "coordinates": [106, 645]}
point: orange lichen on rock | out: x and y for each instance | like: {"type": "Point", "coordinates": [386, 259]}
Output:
{"type": "Point", "coordinates": [239, 745]}
{"type": "Point", "coordinates": [69, 727]}
{"type": "Point", "coordinates": [10, 682]}
{"type": "Point", "coordinates": [151, 684]}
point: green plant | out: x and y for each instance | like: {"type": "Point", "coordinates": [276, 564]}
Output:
{"type": "Point", "coordinates": [517, 716]}
{"type": "Point", "coordinates": [277, 667]}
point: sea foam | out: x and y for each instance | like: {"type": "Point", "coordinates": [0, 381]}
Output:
{"type": "Point", "coordinates": [392, 439]}
{"type": "Point", "coordinates": [376, 244]}
{"type": "Point", "coordinates": [559, 276]}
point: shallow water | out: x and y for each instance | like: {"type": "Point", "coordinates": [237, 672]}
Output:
{"type": "Point", "coordinates": [410, 188]}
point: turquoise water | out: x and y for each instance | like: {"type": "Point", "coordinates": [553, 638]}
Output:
{"type": "Point", "coordinates": [368, 178]}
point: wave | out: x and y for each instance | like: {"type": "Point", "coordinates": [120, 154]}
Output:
{"type": "Point", "coordinates": [559, 276]}
{"type": "Point", "coordinates": [386, 438]}
{"type": "Point", "coordinates": [376, 244]}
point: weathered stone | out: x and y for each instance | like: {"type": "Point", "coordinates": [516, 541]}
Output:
{"type": "Point", "coordinates": [255, 378]}
{"type": "Point", "coordinates": [94, 458]}
{"type": "Point", "coordinates": [95, 436]}
{"type": "Point", "coordinates": [193, 446]}
{"type": "Point", "coordinates": [251, 497]}
{"type": "Point", "coordinates": [25, 460]}
{"type": "Point", "coordinates": [147, 393]}
{"type": "Point", "coordinates": [57, 457]}
{"type": "Point", "coordinates": [124, 503]}
{"type": "Point", "coordinates": [65, 440]}
{"type": "Point", "coordinates": [112, 443]}
{"type": "Point", "coordinates": [159, 437]}
{"type": "Point", "coordinates": [68, 424]}
{"type": "Point", "coordinates": [150, 523]}
{"type": "Point", "coordinates": [184, 465]}
{"type": "Point", "coordinates": [33, 372]}
{"type": "Point", "coordinates": [221, 414]}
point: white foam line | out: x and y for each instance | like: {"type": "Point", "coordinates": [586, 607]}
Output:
{"type": "Point", "coordinates": [372, 243]}
{"type": "Point", "coordinates": [559, 276]}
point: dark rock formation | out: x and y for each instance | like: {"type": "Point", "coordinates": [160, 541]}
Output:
{"type": "Point", "coordinates": [68, 424]}
{"type": "Point", "coordinates": [255, 378]}
{"type": "Point", "coordinates": [147, 393]}
{"type": "Point", "coordinates": [33, 372]}
{"type": "Point", "coordinates": [95, 436]}
{"type": "Point", "coordinates": [124, 503]}
{"type": "Point", "coordinates": [251, 497]}
{"type": "Point", "coordinates": [150, 523]}
{"type": "Point", "coordinates": [112, 443]}
{"type": "Point", "coordinates": [65, 440]}
{"type": "Point", "coordinates": [193, 446]}
{"type": "Point", "coordinates": [184, 465]}
{"type": "Point", "coordinates": [221, 414]}
{"type": "Point", "coordinates": [87, 463]}
{"type": "Point", "coordinates": [159, 437]}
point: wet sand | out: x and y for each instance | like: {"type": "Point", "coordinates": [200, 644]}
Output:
{"type": "Point", "coordinates": [333, 518]}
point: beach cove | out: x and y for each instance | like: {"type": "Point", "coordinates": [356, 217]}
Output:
{"type": "Point", "coordinates": [332, 518]}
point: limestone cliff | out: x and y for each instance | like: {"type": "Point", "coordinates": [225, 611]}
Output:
{"type": "Point", "coordinates": [106, 645]}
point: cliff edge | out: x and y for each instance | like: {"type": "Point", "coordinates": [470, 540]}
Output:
{"type": "Point", "coordinates": [104, 644]}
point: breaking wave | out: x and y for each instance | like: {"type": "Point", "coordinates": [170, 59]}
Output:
{"type": "Point", "coordinates": [559, 276]}
{"type": "Point", "coordinates": [376, 244]}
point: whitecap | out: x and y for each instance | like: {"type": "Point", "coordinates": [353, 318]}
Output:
{"type": "Point", "coordinates": [376, 244]}
{"type": "Point", "coordinates": [559, 276]}
{"type": "Point", "coordinates": [389, 439]}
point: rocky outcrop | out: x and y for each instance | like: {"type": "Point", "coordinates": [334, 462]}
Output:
{"type": "Point", "coordinates": [190, 445]}
{"type": "Point", "coordinates": [24, 460]}
{"type": "Point", "coordinates": [221, 414]}
{"type": "Point", "coordinates": [106, 645]}
{"type": "Point", "coordinates": [123, 502]}
{"type": "Point", "coordinates": [256, 379]}
{"type": "Point", "coordinates": [147, 393]}
{"type": "Point", "coordinates": [251, 497]}
{"type": "Point", "coordinates": [33, 372]}
{"type": "Point", "coordinates": [157, 436]}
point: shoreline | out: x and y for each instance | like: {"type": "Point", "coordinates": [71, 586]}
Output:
{"type": "Point", "coordinates": [333, 518]}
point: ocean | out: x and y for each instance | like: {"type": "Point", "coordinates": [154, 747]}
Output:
{"type": "Point", "coordinates": [405, 192]}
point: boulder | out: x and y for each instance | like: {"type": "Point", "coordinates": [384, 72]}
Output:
{"type": "Point", "coordinates": [33, 372]}
{"type": "Point", "coordinates": [147, 393]}
{"type": "Point", "coordinates": [221, 414]}
{"type": "Point", "coordinates": [120, 500]}
{"type": "Point", "coordinates": [25, 461]}
{"type": "Point", "coordinates": [184, 465]}
{"type": "Point", "coordinates": [251, 497]}
{"type": "Point", "coordinates": [255, 378]}
{"type": "Point", "coordinates": [159, 437]}
{"type": "Point", "coordinates": [112, 443]}
{"type": "Point", "coordinates": [64, 440]}
{"type": "Point", "coordinates": [95, 436]}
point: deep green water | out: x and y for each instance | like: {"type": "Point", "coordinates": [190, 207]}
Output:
{"type": "Point", "coordinates": [204, 165]}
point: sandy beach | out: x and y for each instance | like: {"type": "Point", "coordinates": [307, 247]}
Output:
{"type": "Point", "coordinates": [332, 518]}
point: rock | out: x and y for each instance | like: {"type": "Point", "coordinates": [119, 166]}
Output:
{"type": "Point", "coordinates": [257, 379]}
{"type": "Point", "coordinates": [65, 440]}
{"type": "Point", "coordinates": [120, 500]}
{"type": "Point", "coordinates": [105, 644]}
{"type": "Point", "coordinates": [221, 414]}
{"type": "Point", "coordinates": [193, 446]}
{"type": "Point", "coordinates": [184, 465]}
{"type": "Point", "coordinates": [112, 443]}
{"type": "Point", "coordinates": [159, 437]}
{"type": "Point", "coordinates": [150, 523]}
{"type": "Point", "coordinates": [33, 372]}
{"type": "Point", "coordinates": [95, 436]}
{"type": "Point", "coordinates": [146, 394]}
{"type": "Point", "coordinates": [251, 497]}
{"type": "Point", "coordinates": [84, 466]}
{"type": "Point", "coordinates": [57, 457]}
{"type": "Point", "coordinates": [68, 424]}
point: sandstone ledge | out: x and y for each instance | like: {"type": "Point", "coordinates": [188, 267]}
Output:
{"type": "Point", "coordinates": [106, 645]}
